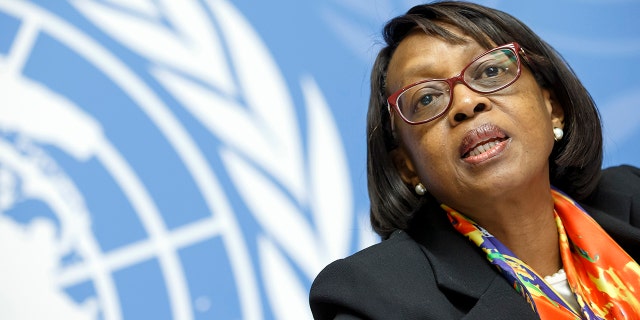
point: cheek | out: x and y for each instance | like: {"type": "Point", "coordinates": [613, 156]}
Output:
{"type": "Point", "coordinates": [428, 154]}
{"type": "Point", "coordinates": [537, 120]}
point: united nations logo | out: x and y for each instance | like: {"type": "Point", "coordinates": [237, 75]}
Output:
{"type": "Point", "coordinates": [153, 164]}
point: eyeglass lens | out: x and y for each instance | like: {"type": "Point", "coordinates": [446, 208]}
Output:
{"type": "Point", "coordinates": [490, 72]}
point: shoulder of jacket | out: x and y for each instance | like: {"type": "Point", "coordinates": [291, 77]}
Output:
{"type": "Point", "coordinates": [396, 257]}
{"type": "Point", "coordinates": [375, 280]}
{"type": "Point", "coordinates": [624, 179]}
{"type": "Point", "coordinates": [397, 245]}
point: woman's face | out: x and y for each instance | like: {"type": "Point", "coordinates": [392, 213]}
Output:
{"type": "Point", "coordinates": [485, 145]}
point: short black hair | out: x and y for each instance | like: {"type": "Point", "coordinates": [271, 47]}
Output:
{"type": "Point", "coordinates": [576, 160]}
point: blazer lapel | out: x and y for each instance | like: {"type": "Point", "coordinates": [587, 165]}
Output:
{"type": "Point", "coordinates": [463, 272]}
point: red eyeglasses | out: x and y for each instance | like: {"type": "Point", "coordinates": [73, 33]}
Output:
{"type": "Point", "coordinates": [428, 99]}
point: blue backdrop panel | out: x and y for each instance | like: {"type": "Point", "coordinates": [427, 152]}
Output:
{"type": "Point", "coordinates": [204, 159]}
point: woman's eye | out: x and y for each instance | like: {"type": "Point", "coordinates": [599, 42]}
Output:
{"type": "Point", "coordinates": [492, 72]}
{"type": "Point", "coordinates": [425, 100]}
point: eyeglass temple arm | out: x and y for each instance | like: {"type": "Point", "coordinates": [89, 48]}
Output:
{"type": "Point", "coordinates": [526, 59]}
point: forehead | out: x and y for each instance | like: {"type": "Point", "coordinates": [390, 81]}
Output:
{"type": "Point", "coordinates": [420, 56]}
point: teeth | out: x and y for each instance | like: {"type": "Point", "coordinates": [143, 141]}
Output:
{"type": "Point", "coordinates": [483, 148]}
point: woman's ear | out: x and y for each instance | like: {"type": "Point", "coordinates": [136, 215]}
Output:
{"type": "Point", "coordinates": [404, 166]}
{"type": "Point", "coordinates": [554, 108]}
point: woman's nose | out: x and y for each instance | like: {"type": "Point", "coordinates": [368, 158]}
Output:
{"type": "Point", "coordinates": [466, 104]}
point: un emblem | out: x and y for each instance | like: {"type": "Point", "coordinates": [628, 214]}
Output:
{"type": "Point", "coordinates": [153, 164]}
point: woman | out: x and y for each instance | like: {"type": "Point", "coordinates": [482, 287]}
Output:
{"type": "Point", "coordinates": [484, 155]}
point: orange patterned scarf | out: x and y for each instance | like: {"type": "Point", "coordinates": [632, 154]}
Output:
{"type": "Point", "coordinates": [604, 278]}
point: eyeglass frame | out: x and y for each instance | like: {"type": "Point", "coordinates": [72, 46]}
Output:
{"type": "Point", "coordinates": [393, 98]}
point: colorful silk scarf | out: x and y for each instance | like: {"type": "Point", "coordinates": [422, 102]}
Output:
{"type": "Point", "coordinates": [604, 278]}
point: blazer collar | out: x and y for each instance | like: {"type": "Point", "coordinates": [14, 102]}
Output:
{"type": "Point", "coordinates": [461, 269]}
{"type": "Point", "coordinates": [458, 265]}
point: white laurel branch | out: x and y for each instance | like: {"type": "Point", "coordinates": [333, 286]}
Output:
{"type": "Point", "coordinates": [263, 152]}
{"type": "Point", "coordinates": [173, 34]}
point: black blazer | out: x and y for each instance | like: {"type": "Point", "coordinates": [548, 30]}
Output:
{"type": "Point", "coordinates": [433, 272]}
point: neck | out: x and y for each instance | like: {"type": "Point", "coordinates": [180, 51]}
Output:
{"type": "Point", "coordinates": [524, 222]}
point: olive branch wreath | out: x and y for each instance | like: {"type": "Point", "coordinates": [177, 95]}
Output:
{"type": "Point", "coordinates": [224, 75]}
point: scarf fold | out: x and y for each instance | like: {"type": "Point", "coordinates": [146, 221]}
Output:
{"type": "Point", "coordinates": [603, 277]}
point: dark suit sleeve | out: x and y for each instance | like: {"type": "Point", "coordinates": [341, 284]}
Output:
{"type": "Point", "coordinates": [333, 294]}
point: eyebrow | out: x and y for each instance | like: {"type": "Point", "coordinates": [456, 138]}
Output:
{"type": "Point", "coordinates": [421, 68]}
{"type": "Point", "coordinates": [416, 73]}
{"type": "Point", "coordinates": [427, 66]}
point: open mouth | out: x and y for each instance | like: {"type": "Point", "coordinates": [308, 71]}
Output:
{"type": "Point", "coordinates": [483, 147]}
{"type": "Point", "coordinates": [481, 140]}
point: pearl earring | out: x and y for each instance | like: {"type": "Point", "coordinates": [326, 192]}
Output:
{"type": "Point", "coordinates": [557, 134]}
{"type": "Point", "coordinates": [420, 189]}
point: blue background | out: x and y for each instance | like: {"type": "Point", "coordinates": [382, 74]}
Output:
{"type": "Point", "coordinates": [333, 41]}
